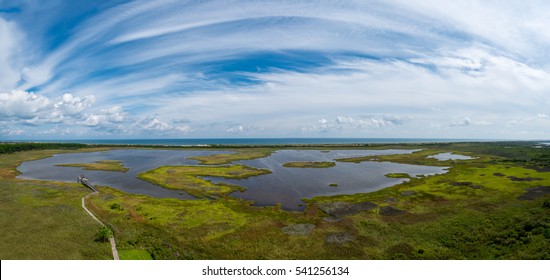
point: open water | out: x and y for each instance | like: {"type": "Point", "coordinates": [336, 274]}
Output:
{"type": "Point", "coordinates": [287, 186]}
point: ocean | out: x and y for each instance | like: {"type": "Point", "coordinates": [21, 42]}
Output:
{"type": "Point", "coordinates": [255, 141]}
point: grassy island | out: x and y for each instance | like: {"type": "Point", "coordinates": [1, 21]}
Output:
{"type": "Point", "coordinates": [239, 154]}
{"type": "Point", "coordinates": [309, 164]}
{"type": "Point", "coordinates": [398, 175]}
{"type": "Point", "coordinates": [104, 165]}
{"type": "Point", "coordinates": [188, 178]}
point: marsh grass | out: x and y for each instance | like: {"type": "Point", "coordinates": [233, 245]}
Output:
{"type": "Point", "coordinates": [442, 221]}
{"type": "Point", "coordinates": [447, 218]}
{"type": "Point", "coordinates": [309, 164]}
{"type": "Point", "coordinates": [134, 255]}
{"type": "Point", "coordinates": [188, 178]}
{"type": "Point", "coordinates": [44, 220]}
{"type": "Point", "coordinates": [398, 175]}
{"type": "Point", "coordinates": [240, 154]}
{"type": "Point", "coordinates": [104, 165]}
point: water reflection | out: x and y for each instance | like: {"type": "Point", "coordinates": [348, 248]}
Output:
{"type": "Point", "coordinates": [450, 156]}
{"type": "Point", "coordinates": [289, 185]}
{"type": "Point", "coordinates": [136, 160]}
{"type": "Point", "coordinates": [285, 185]}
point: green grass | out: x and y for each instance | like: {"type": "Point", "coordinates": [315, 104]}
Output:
{"type": "Point", "coordinates": [309, 164]}
{"type": "Point", "coordinates": [134, 254]}
{"type": "Point", "coordinates": [397, 175]}
{"type": "Point", "coordinates": [44, 220]}
{"type": "Point", "coordinates": [105, 165]}
{"type": "Point", "coordinates": [212, 229]}
{"type": "Point", "coordinates": [466, 213]}
{"type": "Point", "coordinates": [418, 157]}
{"type": "Point", "coordinates": [239, 154]}
{"type": "Point", "coordinates": [188, 178]}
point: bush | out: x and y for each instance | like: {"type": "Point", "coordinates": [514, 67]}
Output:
{"type": "Point", "coordinates": [116, 206]}
{"type": "Point", "coordinates": [103, 234]}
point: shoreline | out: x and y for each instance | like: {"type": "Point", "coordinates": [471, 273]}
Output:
{"type": "Point", "coordinates": [462, 214]}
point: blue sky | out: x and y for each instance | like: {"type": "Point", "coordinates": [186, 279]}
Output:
{"type": "Point", "coordinates": [192, 69]}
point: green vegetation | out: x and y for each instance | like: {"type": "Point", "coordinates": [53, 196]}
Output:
{"type": "Point", "coordinates": [44, 220]}
{"type": "Point", "coordinates": [213, 229]}
{"type": "Point", "coordinates": [6, 148]}
{"type": "Point", "coordinates": [105, 165]}
{"type": "Point", "coordinates": [398, 175]}
{"type": "Point", "coordinates": [240, 154]}
{"type": "Point", "coordinates": [103, 234]}
{"type": "Point", "coordinates": [333, 185]}
{"type": "Point", "coordinates": [134, 255]}
{"type": "Point", "coordinates": [418, 157]}
{"type": "Point", "coordinates": [467, 213]}
{"type": "Point", "coordinates": [477, 210]}
{"type": "Point", "coordinates": [309, 164]}
{"type": "Point", "coordinates": [188, 178]}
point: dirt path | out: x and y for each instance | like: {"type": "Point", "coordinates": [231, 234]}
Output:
{"type": "Point", "coordinates": [111, 239]}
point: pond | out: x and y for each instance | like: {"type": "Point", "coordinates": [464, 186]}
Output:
{"type": "Point", "coordinates": [450, 156]}
{"type": "Point", "coordinates": [285, 185]}
{"type": "Point", "coordinates": [136, 161]}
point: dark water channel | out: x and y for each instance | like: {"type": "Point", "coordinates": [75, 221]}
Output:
{"type": "Point", "coordinates": [136, 161]}
{"type": "Point", "coordinates": [285, 185]}
{"type": "Point", "coordinates": [289, 185]}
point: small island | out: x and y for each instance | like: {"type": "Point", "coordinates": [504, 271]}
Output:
{"type": "Point", "coordinates": [309, 164]}
{"type": "Point", "coordinates": [398, 175]}
{"type": "Point", "coordinates": [188, 178]}
{"type": "Point", "coordinates": [103, 165]}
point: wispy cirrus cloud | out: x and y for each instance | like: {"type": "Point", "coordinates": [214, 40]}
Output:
{"type": "Point", "coordinates": [275, 68]}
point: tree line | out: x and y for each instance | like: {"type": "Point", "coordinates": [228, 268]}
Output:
{"type": "Point", "coordinates": [6, 148]}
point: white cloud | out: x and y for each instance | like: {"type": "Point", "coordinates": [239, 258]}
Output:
{"type": "Point", "coordinates": [180, 120]}
{"type": "Point", "coordinates": [9, 53]}
{"type": "Point", "coordinates": [32, 108]}
{"type": "Point", "coordinates": [351, 124]}
{"type": "Point", "coordinates": [184, 129]}
{"type": "Point", "coordinates": [464, 122]}
{"type": "Point", "coordinates": [235, 129]}
{"type": "Point", "coordinates": [11, 132]}
{"type": "Point", "coordinates": [468, 122]}
{"type": "Point", "coordinates": [153, 124]}
{"type": "Point", "coordinates": [516, 27]}
{"type": "Point", "coordinates": [22, 104]}
{"type": "Point", "coordinates": [487, 60]}
{"type": "Point", "coordinates": [35, 76]}
{"type": "Point", "coordinates": [70, 105]}
{"type": "Point", "coordinates": [104, 117]}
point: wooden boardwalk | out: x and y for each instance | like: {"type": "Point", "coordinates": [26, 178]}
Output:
{"type": "Point", "coordinates": [84, 181]}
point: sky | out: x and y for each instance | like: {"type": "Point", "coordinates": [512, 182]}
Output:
{"type": "Point", "coordinates": [234, 68]}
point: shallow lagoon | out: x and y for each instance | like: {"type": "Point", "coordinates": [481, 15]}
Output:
{"type": "Point", "coordinates": [450, 156]}
{"type": "Point", "coordinates": [285, 185]}
{"type": "Point", "coordinates": [289, 185]}
{"type": "Point", "coordinates": [136, 160]}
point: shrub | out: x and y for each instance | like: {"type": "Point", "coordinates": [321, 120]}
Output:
{"type": "Point", "coordinates": [103, 234]}
{"type": "Point", "coordinates": [116, 206]}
